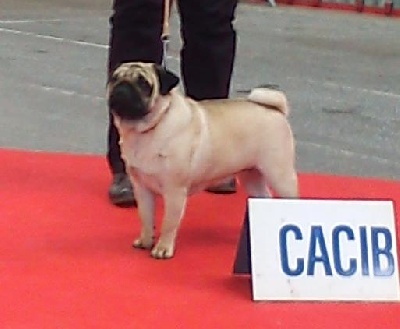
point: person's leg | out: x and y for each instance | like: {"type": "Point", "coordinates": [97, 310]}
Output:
{"type": "Point", "coordinates": [209, 47]}
{"type": "Point", "coordinates": [208, 53]}
{"type": "Point", "coordinates": [135, 31]}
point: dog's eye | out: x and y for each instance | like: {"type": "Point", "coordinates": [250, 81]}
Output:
{"type": "Point", "coordinates": [144, 86]}
{"type": "Point", "coordinates": [113, 78]}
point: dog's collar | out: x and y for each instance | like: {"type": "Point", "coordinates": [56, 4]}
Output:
{"type": "Point", "coordinates": [153, 118]}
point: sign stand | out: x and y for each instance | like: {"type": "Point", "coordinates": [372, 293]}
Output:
{"type": "Point", "coordinates": [242, 263]}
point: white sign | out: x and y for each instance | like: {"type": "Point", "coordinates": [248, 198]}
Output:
{"type": "Point", "coordinates": [323, 250]}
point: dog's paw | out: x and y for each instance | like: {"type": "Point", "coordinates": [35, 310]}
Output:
{"type": "Point", "coordinates": [161, 251]}
{"type": "Point", "coordinates": [142, 243]}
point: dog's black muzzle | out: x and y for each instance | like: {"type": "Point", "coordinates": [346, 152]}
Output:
{"type": "Point", "coordinates": [126, 102]}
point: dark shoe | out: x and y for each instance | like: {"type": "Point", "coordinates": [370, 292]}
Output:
{"type": "Point", "coordinates": [227, 187]}
{"type": "Point", "coordinates": [121, 191]}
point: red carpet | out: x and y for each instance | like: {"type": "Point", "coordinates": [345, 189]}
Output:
{"type": "Point", "coordinates": [66, 261]}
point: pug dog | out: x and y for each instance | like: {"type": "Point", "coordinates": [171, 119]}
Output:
{"type": "Point", "coordinates": [174, 146]}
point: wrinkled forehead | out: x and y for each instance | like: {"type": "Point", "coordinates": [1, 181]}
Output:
{"type": "Point", "coordinates": [131, 71]}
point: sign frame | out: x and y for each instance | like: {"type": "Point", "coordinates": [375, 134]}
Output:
{"type": "Point", "coordinates": [247, 262]}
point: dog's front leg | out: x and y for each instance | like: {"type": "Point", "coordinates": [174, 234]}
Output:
{"type": "Point", "coordinates": [175, 204]}
{"type": "Point", "coordinates": [146, 206]}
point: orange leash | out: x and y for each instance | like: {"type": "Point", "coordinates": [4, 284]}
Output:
{"type": "Point", "coordinates": [165, 31]}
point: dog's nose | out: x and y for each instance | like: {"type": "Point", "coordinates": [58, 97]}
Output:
{"type": "Point", "coordinates": [123, 87]}
{"type": "Point", "coordinates": [126, 102]}
{"type": "Point", "coordinates": [121, 93]}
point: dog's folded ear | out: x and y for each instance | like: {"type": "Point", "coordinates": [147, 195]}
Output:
{"type": "Point", "coordinates": [167, 79]}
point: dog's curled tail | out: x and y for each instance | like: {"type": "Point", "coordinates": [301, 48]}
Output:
{"type": "Point", "coordinates": [270, 97]}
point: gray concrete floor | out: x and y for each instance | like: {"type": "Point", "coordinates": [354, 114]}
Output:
{"type": "Point", "coordinates": [341, 73]}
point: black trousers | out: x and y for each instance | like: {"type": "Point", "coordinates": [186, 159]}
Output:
{"type": "Point", "coordinates": [207, 54]}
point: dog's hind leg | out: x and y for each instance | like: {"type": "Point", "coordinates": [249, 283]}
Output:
{"type": "Point", "coordinates": [288, 186]}
{"type": "Point", "coordinates": [254, 183]}
{"type": "Point", "coordinates": [175, 203]}
{"type": "Point", "coordinates": [277, 164]}
{"type": "Point", "coordinates": [146, 206]}
{"type": "Point", "coordinates": [283, 181]}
